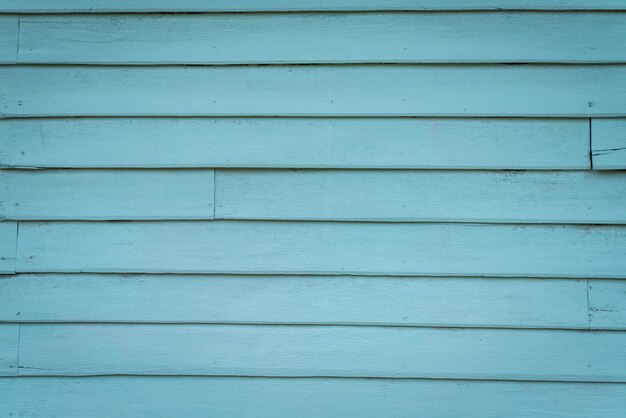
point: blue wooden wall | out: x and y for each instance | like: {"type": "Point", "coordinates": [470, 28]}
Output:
{"type": "Point", "coordinates": [264, 208]}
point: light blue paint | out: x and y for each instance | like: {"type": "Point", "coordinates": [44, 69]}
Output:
{"type": "Point", "coordinates": [609, 144]}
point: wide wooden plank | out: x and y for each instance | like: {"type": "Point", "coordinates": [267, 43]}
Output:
{"type": "Point", "coordinates": [424, 195]}
{"type": "Point", "coordinates": [607, 304]}
{"type": "Point", "coordinates": [245, 397]}
{"type": "Point", "coordinates": [8, 39]}
{"type": "Point", "coordinates": [271, 350]}
{"type": "Point", "coordinates": [323, 248]}
{"type": "Point", "coordinates": [320, 90]}
{"type": "Point", "coordinates": [296, 142]}
{"type": "Point", "coordinates": [324, 38]}
{"type": "Point", "coordinates": [473, 302]}
{"type": "Point", "coordinates": [9, 337]}
{"type": "Point", "coordinates": [8, 243]}
{"type": "Point", "coordinates": [98, 6]}
{"type": "Point", "coordinates": [609, 144]}
{"type": "Point", "coordinates": [106, 194]}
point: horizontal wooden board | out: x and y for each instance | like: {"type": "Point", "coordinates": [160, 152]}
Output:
{"type": "Point", "coordinates": [270, 350]}
{"type": "Point", "coordinates": [609, 144]}
{"type": "Point", "coordinates": [320, 90]}
{"type": "Point", "coordinates": [245, 397]}
{"type": "Point", "coordinates": [98, 6]}
{"type": "Point", "coordinates": [323, 248]}
{"type": "Point", "coordinates": [424, 195]}
{"type": "Point", "coordinates": [607, 304]}
{"type": "Point", "coordinates": [392, 37]}
{"type": "Point", "coordinates": [8, 39]}
{"type": "Point", "coordinates": [473, 302]}
{"type": "Point", "coordinates": [8, 242]}
{"type": "Point", "coordinates": [9, 335]}
{"type": "Point", "coordinates": [296, 142]}
{"type": "Point", "coordinates": [106, 194]}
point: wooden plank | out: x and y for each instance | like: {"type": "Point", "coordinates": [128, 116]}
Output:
{"type": "Point", "coordinates": [9, 338]}
{"type": "Point", "coordinates": [472, 302]}
{"type": "Point", "coordinates": [106, 194]}
{"type": "Point", "coordinates": [98, 6]}
{"type": "Point", "coordinates": [321, 90]}
{"type": "Point", "coordinates": [609, 144]}
{"type": "Point", "coordinates": [425, 195]}
{"type": "Point", "coordinates": [323, 248]}
{"type": "Point", "coordinates": [480, 37]}
{"type": "Point", "coordinates": [270, 350]}
{"type": "Point", "coordinates": [8, 243]}
{"type": "Point", "coordinates": [607, 304]}
{"type": "Point", "coordinates": [296, 142]}
{"type": "Point", "coordinates": [245, 397]}
{"type": "Point", "coordinates": [8, 39]}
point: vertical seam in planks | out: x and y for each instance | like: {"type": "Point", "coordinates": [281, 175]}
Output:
{"type": "Point", "coordinates": [590, 143]}
{"type": "Point", "coordinates": [17, 359]}
{"type": "Point", "coordinates": [17, 43]}
{"type": "Point", "coordinates": [214, 192]}
{"type": "Point", "coordinates": [588, 308]}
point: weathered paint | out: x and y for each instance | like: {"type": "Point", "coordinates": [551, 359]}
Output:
{"type": "Point", "coordinates": [608, 146]}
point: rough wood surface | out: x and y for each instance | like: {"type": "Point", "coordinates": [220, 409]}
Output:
{"type": "Point", "coordinates": [8, 39]}
{"type": "Point", "coordinates": [424, 195]}
{"type": "Point", "coordinates": [324, 38]}
{"type": "Point", "coordinates": [8, 242]}
{"type": "Point", "coordinates": [296, 142]}
{"type": "Point", "coordinates": [244, 397]}
{"type": "Point", "coordinates": [608, 148]}
{"type": "Point", "coordinates": [337, 248]}
{"type": "Point", "coordinates": [449, 302]}
{"type": "Point", "coordinates": [607, 304]}
{"type": "Point", "coordinates": [9, 336]}
{"type": "Point", "coordinates": [269, 350]}
{"type": "Point", "coordinates": [106, 194]}
{"type": "Point", "coordinates": [320, 90]}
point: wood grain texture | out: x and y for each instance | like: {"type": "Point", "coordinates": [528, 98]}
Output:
{"type": "Point", "coordinates": [9, 338]}
{"type": "Point", "coordinates": [8, 39]}
{"type": "Point", "coordinates": [253, 350]}
{"type": "Point", "coordinates": [98, 6]}
{"type": "Point", "coordinates": [296, 142]}
{"type": "Point", "coordinates": [424, 195]}
{"type": "Point", "coordinates": [609, 144]}
{"type": "Point", "coordinates": [607, 304]}
{"type": "Point", "coordinates": [321, 90]}
{"type": "Point", "coordinates": [395, 37]}
{"type": "Point", "coordinates": [106, 194]}
{"type": "Point", "coordinates": [8, 242]}
{"type": "Point", "coordinates": [333, 248]}
{"type": "Point", "coordinates": [244, 397]}
{"type": "Point", "coordinates": [449, 302]}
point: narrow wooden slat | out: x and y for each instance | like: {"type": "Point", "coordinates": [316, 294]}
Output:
{"type": "Point", "coordinates": [253, 350]}
{"type": "Point", "coordinates": [350, 90]}
{"type": "Point", "coordinates": [106, 194]}
{"type": "Point", "coordinates": [607, 304]}
{"type": "Point", "coordinates": [609, 144]}
{"type": "Point", "coordinates": [8, 39]}
{"type": "Point", "coordinates": [510, 303]}
{"type": "Point", "coordinates": [99, 6]}
{"type": "Point", "coordinates": [245, 397]}
{"type": "Point", "coordinates": [426, 195]}
{"type": "Point", "coordinates": [9, 335]}
{"type": "Point", "coordinates": [8, 242]}
{"type": "Point", "coordinates": [296, 142]}
{"type": "Point", "coordinates": [323, 248]}
{"type": "Point", "coordinates": [324, 38]}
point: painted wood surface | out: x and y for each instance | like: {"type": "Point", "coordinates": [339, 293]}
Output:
{"type": "Point", "coordinates": [424, 195]}
{"type": "Point", "coordinates": [8, 242]}
{"type": "Point", "coordinates": [9, 335]}
{"type": "Point", "coordinates": [98, 6]}
{"type": "Point", "coordinates": [8, 39]}
{"type": "Point", "coordinates": [264, 247]}
{"type": "Point", "coordinates": [449, 302]}
{"type": "Point", "coordinates": [607, 304]}
{"type": "Point", "coordinates": [609, 144]}
{"type": "Point", "coordinates": [270, 350]}
{"type": "Point", "coordinates": [106, 194]}
{"type": "Point", "coordinates": [244, 397]}
{"type": "Point", "coordinates": [398, 37]}
{"type": "Point", "coordinates": [296, 142]}
{"type": "Point", "coordinates": [320, 90]}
